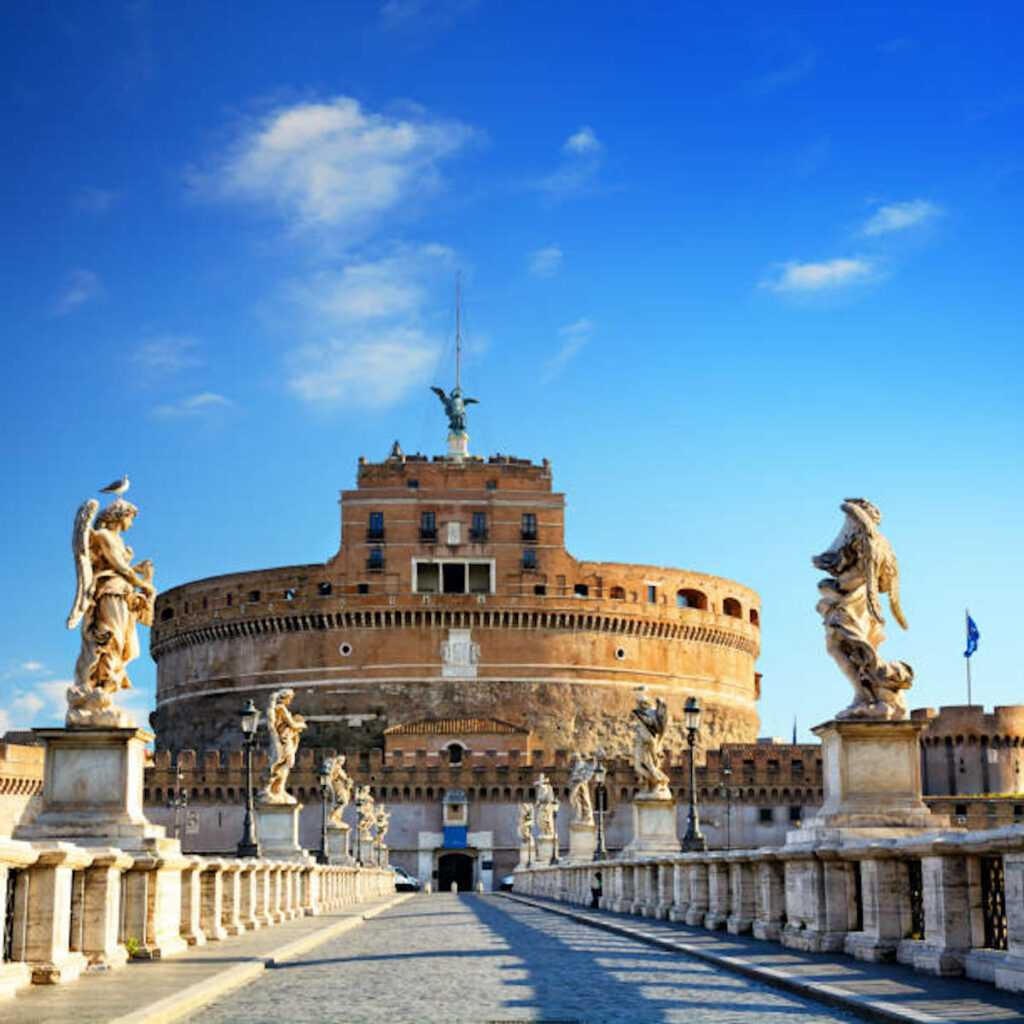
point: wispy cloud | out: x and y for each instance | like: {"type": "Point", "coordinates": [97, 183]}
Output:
{"type": "Point", "coordinates": [582, 156]}
{"type": "Point", "coordinates": [900, 216]}
{"type": "Point", "coordinates": [432, 13]}
{"type": "Point", "coordinates": [40, 703]}
{"type": "Point", "coordinates": [95, 200]}
{"type": "Point", "coordinates": [545, 262]}
{"type": "Point", "coordinates": [166, 354]}
{"type": "Point", "coordinates": [371, 327]}
{"type": "Point", "coordinates": [833, 275]}
{"type": "Point", "coordinates": [784, 74]}
{"type": "Point", "coordinates": [33, 666]}
{"type": "Point", "coordinates": [572, 339]}
{"type": "Point", "coordinates": [333, 163]}
{"type": "Point", "coordinates": [204, 405]}
{"type": "Point", "coordinates": [81, 286]}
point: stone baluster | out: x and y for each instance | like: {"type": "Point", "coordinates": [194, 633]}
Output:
{"type": "Point", "coordinates": [1010, 974]}
{"type": "Point", "coordinates": [211, 912]}
{"type": "Point", "coordinates": [805, 900]}
{"type": "Point", "coordinates": [191, 902]}
{"type": "Point", "coordinates": [885, 899]}
{"type": "Point", "coordinates": [15, 856]}
{"type": "Point", "coordinates": [718, 892]}
{"type": "Point", "coordinates": [42, 914]}
{"type": "Point", "coordinates": [698, 893]}
{"type": "Point", "coordinates": [680, 890]}
{"type": "Point", "coordinates": [247, 896]}
{"type": "Point", "coordinates": [231, 910]}
{"type": "Point", "coordinates": [771, 897]}
{"type": "Point", "coordinates": [100, 907]}
{"type": "Point", "coordinates": [263, 894]}
{"type": "Point", "coordinates": [743, 895]}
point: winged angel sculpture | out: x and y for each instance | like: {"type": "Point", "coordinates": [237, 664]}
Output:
{"type": "Point", "coordinates": [650, 720]}
{"type": "Point", "coordinates": [455, 408]}
{"type": "Point", "coordinates": [861, 567]}
{"type": "Point", "coordinates": [285, 727]}
{"type": "Point", "coordinates": [112, 597]}
{"type": "Point", "coordinates": [341, 786]}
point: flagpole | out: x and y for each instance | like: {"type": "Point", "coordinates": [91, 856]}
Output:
{"type": "Point", "coordinates": [967, 628]}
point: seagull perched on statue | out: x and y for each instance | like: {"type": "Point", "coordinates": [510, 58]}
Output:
{"type": "Point", "coordinates": [117, 487]}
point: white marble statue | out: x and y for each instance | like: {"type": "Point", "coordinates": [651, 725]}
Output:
{"type": "Point", "coordinates": [861, 567]}
{"type": "Point", "coordinates": [580, 773]}
{"type": "Point", "coordinates": [285, 727]}
{"type": "Point", "coordinates": [112, 597]}
{"type": "Point", "coordinates": [341, 785]}
{"type": "Point", "coordinates": [649, 721]}
{"type": "Point", "coordinates": [546, 808]}
{"type": "Point", "coordinates": [525, 826]}
{"type": "Point", "coordinates": [365, 815]}
{"type": "Point", "coordinates": [381, 820]}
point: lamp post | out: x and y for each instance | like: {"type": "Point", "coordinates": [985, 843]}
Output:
{"type": "Point", "coordinates": [693, 840]}
{"type": "Point", "coordinates": [250, 844]}
{"type": "Point", "coordinates": [726, 789]}
{"type": "Point", "coordinates": [359, 831]}
{"type": "Point", "coordinates": [600, 853]}
{"type": "Point", "coordinates": [324, 778]}
{"type": "Point", "coordinates": [554, 838]}
{"type": "Point", "coordinates": [177, 800]}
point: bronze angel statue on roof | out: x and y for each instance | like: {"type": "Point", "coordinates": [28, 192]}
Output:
{"type": "Point", "coordinates": [861, 567]}
{"type": "Point", "coordinates": [455, 408]}
{"type": "Point", "coordinates": [112, 597]}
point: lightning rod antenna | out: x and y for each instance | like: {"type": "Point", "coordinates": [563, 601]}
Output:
{"type": "Point", "coordinates": [458, 329]}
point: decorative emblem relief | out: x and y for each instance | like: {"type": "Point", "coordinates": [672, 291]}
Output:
{"type": "Point", "coordinates": [459, 655]}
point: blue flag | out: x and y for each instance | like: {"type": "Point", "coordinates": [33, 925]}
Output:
{"type": "Point", "coordinates": [972, 637]}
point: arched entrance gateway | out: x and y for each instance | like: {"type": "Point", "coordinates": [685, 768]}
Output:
{"type": "Point", "coordinates": [457, 868]}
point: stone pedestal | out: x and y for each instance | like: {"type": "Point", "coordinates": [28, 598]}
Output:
{"type": "Point", "coordinates": [654, 827]}
{"type": "Point", "coordinates": [582, 843]}
{"type": "Point", "coordinates": [527, 855]}
{"type": "Point", "coordinates": [458, 445]}
{"type": "Point", "coordinates": [277, 825]}
{"type": "Point", "coordinates": [92, 789]}
{"type": "Point", "coordinates": [872, 781]}
{"type": "Point", "coordinates": [337, 845]}
{"type": "Point", "coordinates": [543, 850]}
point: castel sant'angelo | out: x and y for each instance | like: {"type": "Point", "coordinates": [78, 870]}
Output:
{"type": "Point", "coordinates": [452, 607]}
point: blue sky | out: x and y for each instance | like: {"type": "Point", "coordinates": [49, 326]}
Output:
{"type": "Point", "coordinates": [724, 267]}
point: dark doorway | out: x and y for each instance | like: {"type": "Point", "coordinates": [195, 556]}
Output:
{"type": "Point", "coordinates": [455, 867]}
{"type": "Point", "coordinates": [453, 578]}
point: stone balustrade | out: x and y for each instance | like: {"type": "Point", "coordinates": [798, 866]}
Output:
{"type": "Point", "coordinates": [68, 908]}
{"type": "Point", "coordinates": [948, 904]}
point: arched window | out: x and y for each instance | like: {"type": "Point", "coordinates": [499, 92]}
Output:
{"type": "Point", "coordinates": [755, 619]}
{"type": "Point", "coordinates": [691, 599]}
{"type": "Point", "coordinates": [455, 752]}
{"type": "Point", "coordinates": [167, 613]}
{"type": "Point", "coordinates": [617, 593]}
{"type": "Point", "coordinates": [731, 607]}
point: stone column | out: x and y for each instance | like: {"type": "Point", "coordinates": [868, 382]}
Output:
{"type": "Point", "coordinates": [264, 914]}
{"type": "Point", "coordinates": [698, 893]}
{"type": "Point", "coordinates": [886, 910]}
{"type": "Point", "coordinates": [641, 888]}
{"type": "Point", "coordinates": [191, 902]}
{"type": "Point", "coordinates": [680, 891]}
{"type": "Point", "coordinates": [1010, 974]}
{"type": "Point", "coordinates": [743, 896]}
{"type": "Point", "coordinates": [247, 900]}
{"type": "Point", "coordinates": [805, 900]}
{"type": "Point", "coordinates": [212, 898]}
{"type": "Point", "coordinates": [666, 874]}
{"type": "Point", "coordinates": [275, 907]}
{"type": "Point", "coordinates": [101, 907]}
{"type": "Point", "coordinates": [15, 856]}
{"type": "Point", "coordinates": [42, 914]}
{"type": "Point", "coordinates": [947, 919]}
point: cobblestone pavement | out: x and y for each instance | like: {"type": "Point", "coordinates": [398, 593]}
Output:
{"type": "Point", "coordinates": [474, 959]}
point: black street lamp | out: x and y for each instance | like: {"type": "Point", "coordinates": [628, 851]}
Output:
{"type": "Point", "coordinates": [726, 789]}
{"type": "Point", "coordinates": [250, 844]}
{"type": "Point", "coordinates": [324, 778]}
{"type": "Point", "coordinates": [693, 840]}
{"type": "Point", "coordinates": [359, 832]}
{"type": "Point", "coordinates": [600, 853]}
{"type": "Point", "coordinates": [177, 800]}
{"type": "Point", "coordinates": [554, 838]}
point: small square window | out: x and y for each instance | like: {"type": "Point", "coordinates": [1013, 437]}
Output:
{"type": "Point", "coordinates": [766, 816]}
{"type": "Point", "coordinates": [413, 485]}
{"type": "Point", "coordinates": [795, 813]}
{"type": "Point", "coordinates": [325, 589]}
{"type": "Point", "coordinates": [362, 588]}
{"type": "Point", "coordinates": [492, 485]}
{"type": "Point", "coordinates": [539, 589]}
{"type": "Point", "coordinates": [960, 810]}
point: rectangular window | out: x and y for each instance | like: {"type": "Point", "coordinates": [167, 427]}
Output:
{"type": "Point", "coordinates": [795, 813]}
{"type": "Point", "coordinates": [479, 578]}
{"type": "Point", "coordinates": [539, 589]}
{"type": "Point", "coordinates": [529, 558]}
{"type": "Point", "coordinates": [766, 816]}
{"type": "Point", "coordinates": [652, 593]}
{"type": "Point", "coordinates": [580, 590]}
{"type": "Point", "coordinates": [375, 530]}
{"type": "Point", "coordinates": [362, 588]}
{"type": "Point", "coordinates": [375, 559]}
{"type": "Point", "coordinates": [428, 526]}
{"type": "Point", "coordinates": [324, 589]}
{"type": "Point", "coordinates": [529, 526]}
{"type": "Point", "coordinates": [479, 529]}
{"type": "Point", "coordinates": [428, 578]}
{"type": "Point", "coordinates": [413, 485]}
{"type": "Point", "coordinates": [453, 577]}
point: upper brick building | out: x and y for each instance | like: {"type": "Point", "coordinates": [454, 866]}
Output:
{"type": "Point", "coordinates": [452, 596]}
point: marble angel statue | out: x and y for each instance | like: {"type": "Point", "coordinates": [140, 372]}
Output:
{"type": "Point", "coordinates": [341, 786]}
{"type": "Point", "coordinates": [525, 825]}
{"type": "Point", "coordinates": [861, 567]}
{"type": "Point", "coordinates": [366, 816]}
{"type": "Point", "coordinates": [546, 807]}
{"type": "Point", "coordinates": [381, 820]}
{"type": "Point", "coordinates": [580, 774]}
{"type": "Point", "coordinates": [285, 728]}
{"type": "Point", "coordinates": [649, 721]}
{"type": "Point", "coordinates": [112, 597]}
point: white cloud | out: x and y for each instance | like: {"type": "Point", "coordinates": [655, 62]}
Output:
{"type": "Point", "coordinates": [27, 703]}
{"type": "Point", "coordinates": [40, 703]}
{"type": "Point", "coordinates": [204, 404]}
{"type": "Point", "coordinates": [364, 372]}
{"type": "Point", "coordinates": [573, 337]}
{"type": "Point", "coordinates": [785, 74]}
{"type": "Point", "coordinates": [546, 262]}
{"type": "Point", "coordinates": [900, 216]}
{"type": "Point", "coordinates": [826, 276]}
{"type": "Point", "coordinates": [33, 666]}
{"type": "Point", "coordinates": [95, 200]}
{"type": "Point", "coordinates": [82, 286]}
{"type": "Point", "coordinates": [166, 354]}
{"type": "Point", "coordinates": [333, 163]}
{"type": "Point", "coordinates": [582, 142]}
